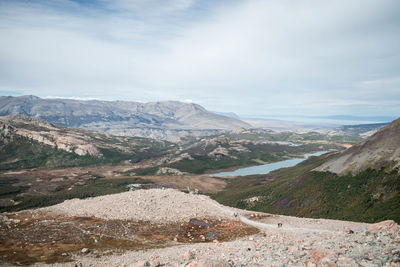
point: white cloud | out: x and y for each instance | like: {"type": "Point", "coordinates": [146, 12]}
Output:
{"type": "Point", "coordinates": [147, 7]}
{"type": "Point", "coordinates": [245, 56]}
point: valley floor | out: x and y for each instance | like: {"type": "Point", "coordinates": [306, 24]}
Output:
{"type": "Point", "coordinates": [167, 227]}
{"type": "Point", "coordinates": [32, 188]}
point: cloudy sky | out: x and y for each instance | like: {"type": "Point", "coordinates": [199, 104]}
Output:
{"type": "Point", "coordinates": [303, 57]}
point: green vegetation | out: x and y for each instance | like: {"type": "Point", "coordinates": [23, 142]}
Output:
{"type": "Point", "coordinates": [22, 153]}
{"type": "Point", "coordinates": [92, 188]}
{"type": "Point", "coordinates": [370, 196]}
{"type": "Point", "coordinates": [19, 152]}
{"type": "Point", "coordinates": [6, 190]}
{"type": "Point", "coordinates": [202, 162]}
{"type": "Point", "coordinates": [246, 149]}
{"type": "Point", "coordinates": [145, 171]}
{"type": "Point", "coordinates": [252, 147]}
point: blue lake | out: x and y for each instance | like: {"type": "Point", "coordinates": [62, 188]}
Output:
{"type": "Point", "coordinates": [266, 168]}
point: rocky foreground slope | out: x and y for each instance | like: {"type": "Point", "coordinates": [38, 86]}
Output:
{"type": "Point", "coordinates": [167, 120]}
{"type": "Point", "coordinates": [169, 228]}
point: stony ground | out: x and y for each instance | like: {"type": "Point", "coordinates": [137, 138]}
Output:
{"type": "Point", "coordinates": [295, 242]}
{"type": "Point", "coordinates": [273, 247]}
{"type": "Point", "coordinates": [156, 205]}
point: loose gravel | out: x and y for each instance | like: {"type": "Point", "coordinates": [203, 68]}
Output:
{"type": "Point", "coordinates": [156, 205]}
{"type": "Point", "coordinates": [298, 242]}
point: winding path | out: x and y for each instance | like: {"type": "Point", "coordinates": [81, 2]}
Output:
{"type": "Point", "coordinates": [264, 226]}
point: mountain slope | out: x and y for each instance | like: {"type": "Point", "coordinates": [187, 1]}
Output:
{"type": "Point", "coordinates": [367, 189]}
{"type": "Point", "coordinates": [161, 120]}
{"type": "Point", "coordinates": [379, 150]}
{"type": "Point", "coordinates": [27, 142]}
{"type": "Point", "coordinates": [369, 196]}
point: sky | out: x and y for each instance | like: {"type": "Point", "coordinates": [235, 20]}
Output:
{"type": "Point", "coordinates": [269, 58]}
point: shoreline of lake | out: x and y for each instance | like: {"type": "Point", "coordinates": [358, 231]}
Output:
{"type": "Point", "coordinates": [266, 168]}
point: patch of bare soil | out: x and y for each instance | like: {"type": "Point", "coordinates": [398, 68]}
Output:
{"type": "Point", "coordinates": [30, 237]}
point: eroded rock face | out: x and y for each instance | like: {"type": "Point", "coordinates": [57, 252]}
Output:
{"type": "Point", "coordinates": [72, 140]}
{"type": "Point", "coordinates": [47, 134]}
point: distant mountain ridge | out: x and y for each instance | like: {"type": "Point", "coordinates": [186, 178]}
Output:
{"type": "Point", "coordinates": [362, 130]}
{"type": "Point", "coordinates": [359, 118]}
{"type": "Point", "coordinates": [160, 120]}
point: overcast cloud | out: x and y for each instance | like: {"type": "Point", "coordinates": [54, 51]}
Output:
{"type": "Point", "coordinates": [250, 57]}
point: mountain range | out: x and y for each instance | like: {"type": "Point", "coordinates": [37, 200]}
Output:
{"type": "Point", "coordinates": [167, 120]}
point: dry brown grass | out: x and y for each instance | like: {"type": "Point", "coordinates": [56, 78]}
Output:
{"type": "Point", "coordinates": [52, 239]}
